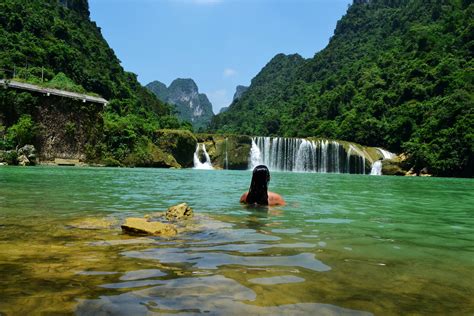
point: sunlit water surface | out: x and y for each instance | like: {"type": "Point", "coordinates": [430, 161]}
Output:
{"type": "Point", "coordinates": [344, 244]}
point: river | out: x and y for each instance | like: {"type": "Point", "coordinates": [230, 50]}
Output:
{"type": "Point", "coordinates": [343, 245]}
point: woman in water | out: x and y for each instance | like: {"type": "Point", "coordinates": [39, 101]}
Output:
{"type": "Point", "coordinates": [258, 193]}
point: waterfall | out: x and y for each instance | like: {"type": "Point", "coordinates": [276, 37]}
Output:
{"type": "Point", "coordinates": [302, 155]}
{"type": "Point", "coordinates": [197, 162]}
{"type": "Point", "coordinates": [376, 168]}
{"type": "Point", "coordinates": [226, 159]}
{"type": "Point", "coordinates": [255, 156]}
{"type": "Point", "coordinates": [386, 154]}
{"type": "Point", "coordinates": [377, 165]}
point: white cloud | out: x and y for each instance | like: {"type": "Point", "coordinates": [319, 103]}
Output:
{"type": "Point", "coordinates": [229, 72]}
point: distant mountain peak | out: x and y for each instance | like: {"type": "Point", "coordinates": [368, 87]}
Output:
{"type": "Point", "coordinates": [80, 6]}
{"type": "Point", "coordinates": [239, 91]}
{"type": "Point", "coordinates": [183, 93]}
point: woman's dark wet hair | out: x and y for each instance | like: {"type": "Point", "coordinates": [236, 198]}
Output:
{"type": "Point", "coordinates": [258, 192]}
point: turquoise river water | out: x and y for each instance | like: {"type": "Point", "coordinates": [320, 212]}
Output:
{"type": "Point", "coordinates": [344, 244]}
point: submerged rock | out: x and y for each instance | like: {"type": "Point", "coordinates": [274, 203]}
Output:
{"type": "Point", "coordinates": [155, 215]}
{"type": "Point", "coordinates": [179, 212]}
{"type": "Point", "coordinates": [141, 226]}
{"type": "Point", "coordinates": [93, 223]}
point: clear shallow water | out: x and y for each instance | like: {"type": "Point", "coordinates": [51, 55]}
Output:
{"type": "Point", "coordinates": [344, 244]}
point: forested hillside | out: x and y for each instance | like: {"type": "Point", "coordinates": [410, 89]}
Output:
{"type": "Point", "coordinates": [396, 74]}
{"type": "Point", "coordinates": [56, 39]}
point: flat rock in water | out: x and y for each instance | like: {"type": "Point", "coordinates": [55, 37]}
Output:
{"type": "Point", "coordinates": [178, 212]}
{"type": "Point", "coordinates": [140, 226]}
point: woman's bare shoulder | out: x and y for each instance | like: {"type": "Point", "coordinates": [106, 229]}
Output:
{"type": "Point", "coordinates": [275, 199]}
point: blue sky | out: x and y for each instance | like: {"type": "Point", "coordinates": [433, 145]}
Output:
{"type": "Point", "coordinates": [218, 43]}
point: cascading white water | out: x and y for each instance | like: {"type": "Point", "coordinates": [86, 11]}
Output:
{"type": "Point", "coordinates": [377, 165]}
{"type": "Point", "coordinates": [255, 156]}
{"type": "Point", "coordinates": [302, 155]}
{"type": "Point", "coordinates": [359, 165]}
{"type": "Point", "coordinates": [197, 162]}
{"type": "Point", "coordinates": [304, 160]}
{"type": "Point", "coordinates": [226, 159]}
{"type": "Point", "coordinates": [386, 154]}
{"type": "Point", "coordinates": [376, 168]}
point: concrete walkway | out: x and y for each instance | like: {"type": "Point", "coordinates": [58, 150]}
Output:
{"type": "Point", "coordinates": [49, 91]}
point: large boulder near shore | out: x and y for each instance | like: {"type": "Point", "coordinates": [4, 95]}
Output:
{"type": "Point", "coordinates": [396, 166]}
{"type": "Point", "coordinates": [141, 226]}
{"type": "Point", "coordinates": [23, 161]}
{"type": "Point", "coordinates": [29, 151]}
{"type": "Point", "coordinates": [24, 156]}
{"type": "Point", "coordinates": [392, 168]}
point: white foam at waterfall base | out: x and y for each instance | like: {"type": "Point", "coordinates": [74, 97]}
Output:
{"type": "Point", "coordinates": [376, 168]}
{"type": "Point", "coordinates": [207, 165]}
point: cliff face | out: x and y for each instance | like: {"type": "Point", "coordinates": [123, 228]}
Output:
{"type": "Point", "coordinates": [64, 127]}
{"type": "Point", "coordinates": [80, 6]}
{"type": "Point", "coordinates": [191, 105]}
{"type": "Point", "coordinates": [68, 128]}
{"type": "Point", "coordinates": [239, 91]}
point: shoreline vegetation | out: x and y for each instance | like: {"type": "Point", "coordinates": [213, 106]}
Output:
{"type": "Point", "coordinates": [175, 149]}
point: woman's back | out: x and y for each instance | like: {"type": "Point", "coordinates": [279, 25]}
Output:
{"type": "Point", "coordinates": [258, 192]}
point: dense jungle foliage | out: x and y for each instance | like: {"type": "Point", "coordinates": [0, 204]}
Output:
{"type": "Point", "coordinates": [396, 74]}
{"type": "Point", "coordinates": [55, 40]}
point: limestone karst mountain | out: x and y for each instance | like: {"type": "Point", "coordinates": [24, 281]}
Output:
{"type": "Point", "coordinates": [191, 105]}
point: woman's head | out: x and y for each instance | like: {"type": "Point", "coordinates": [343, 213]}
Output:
{"type": "Point", "coordinates": [258, 192]}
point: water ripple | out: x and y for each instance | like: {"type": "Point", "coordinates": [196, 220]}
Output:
{"type": "Point", "coordinates": [212, 295]}
{"type": "Point", "coordinates": [210, 260]}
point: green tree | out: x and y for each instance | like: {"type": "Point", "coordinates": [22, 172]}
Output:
{"type": "Point", "coordinates": [23, 132]}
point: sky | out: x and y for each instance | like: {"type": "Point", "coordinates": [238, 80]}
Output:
{"type": "Point", "coordinates": [218, 43]}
